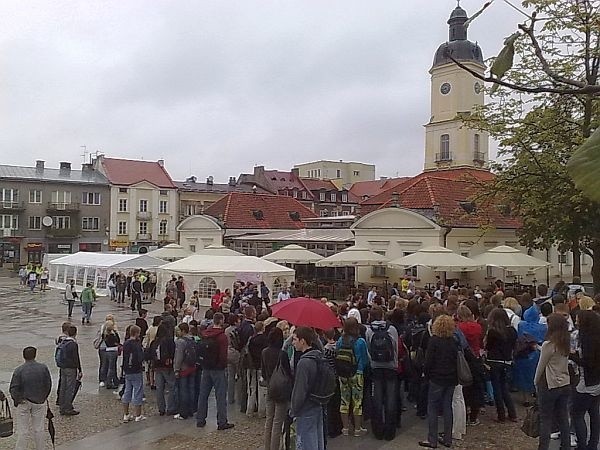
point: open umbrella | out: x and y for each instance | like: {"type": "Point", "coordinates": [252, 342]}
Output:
{"type": "Point", "coordinates": [293, 254]}
{"type": "Point", "coordinates": [509, 258]}
{"type": "Point", "coordinates": [352, 257]}
{"type": "Point", "coordinates": [306, 312]}
{"type": "Point", "coordinates": [440, 259]}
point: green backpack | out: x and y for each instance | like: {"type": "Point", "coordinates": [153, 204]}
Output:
{"type": "Point", "coordinates": [345, 360]}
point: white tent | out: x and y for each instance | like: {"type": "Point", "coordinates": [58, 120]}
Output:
{"type": "Point", "coordinates": [509, 258]}
{"type": "Point", "coordinates": [353, 257]}
{"type": "Point", "coordinates": [218, 250]}
{"type": "Point", "coordinates": [170, 252]}
{"type": "Point", "coordinates": [293, 254]}
{"type": "Point", "coordinates": [437, 258]}
{"type": "Point", "coordinates": [206, 273]}
{"type": "Point", "coordinates": [90, 267]}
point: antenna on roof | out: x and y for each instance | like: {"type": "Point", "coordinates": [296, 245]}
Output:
{"type": "Point", "coordinates": [85, 153]}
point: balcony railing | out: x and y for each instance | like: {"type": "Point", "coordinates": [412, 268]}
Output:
{"type": "Point", "coordinates": [63, 232]}
{"type": "Point", "coordinates": [479, 157]}
{"type": "Point", "coordinates": [144, 236]}
{"type": "Point", "coordinates": [11, 232]}
{"type": "Point", "coordinates": [12, 206]}
{"type": "Point", "coordinates": [62, 206]}
{"type": "Point", "coordinates": [444, 157]}
{"type": "Point", "coordinates": [144, 215]}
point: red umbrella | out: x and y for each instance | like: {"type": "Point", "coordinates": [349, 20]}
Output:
{"type": "Point", "coordinates": [306, 312]}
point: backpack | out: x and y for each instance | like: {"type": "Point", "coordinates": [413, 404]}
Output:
{"type": "Point", "coordinates": [208, 352]}
{"type": "Point", "coordinates": [345, 359]}
{"type": "Point", "coordinates": [324, 386]}
{"type": "Point", "coordinates": [189, 353]}
{"type": "Point", "coordinates": [60, 353]}
{"type": "Point", "coordinates": [381, 347]}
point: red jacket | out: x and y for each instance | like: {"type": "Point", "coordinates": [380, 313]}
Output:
{"type": "Point", "coordinates": [219, 335]}
{"type": "Point", "coordinates": [474, 335]}
{"type": "Point", "coordinates": [216, 301]}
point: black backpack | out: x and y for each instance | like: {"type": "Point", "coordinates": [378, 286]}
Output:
{"type": "Point", "coordinates": [345, 359]}
{"type": "Point", "coordinates": [381, 347]}
{"type": "Point", "coordinates": [208, 352]}
{"type": "Point", "coordinates": [189, 352]}
{"type": "Point", "coordinates": [324, 386]}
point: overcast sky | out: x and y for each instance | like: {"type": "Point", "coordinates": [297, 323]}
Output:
{"type": "Point", "coordinates": [216, 87]}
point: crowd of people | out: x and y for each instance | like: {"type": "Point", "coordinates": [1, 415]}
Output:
{"type": "Point", "coordinates": [392, 352]}
{"type": "Point", "coordinates": [33, 275]}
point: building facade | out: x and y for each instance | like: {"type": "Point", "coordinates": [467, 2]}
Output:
{"type": "Point", "coordinates": [329, 200]}
{"type": "Point", "coordinates": [342, 173]}
{"type": "Point", "coordinates": [144, 213]}
{"type": "Point", "coordinates": [45, 210]}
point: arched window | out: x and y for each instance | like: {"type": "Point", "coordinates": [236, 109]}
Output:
{"type": "Point", "coordinates": [276, 287]}
{"type": "Point", "coordinates": [207, 287]}
{"type": "Point", "coordinates": [444, 147]}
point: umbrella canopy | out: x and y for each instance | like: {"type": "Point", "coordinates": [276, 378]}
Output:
{"type": "Point", "coordinates": [354, 256]}
{"type": "Point", "coordinates": [306, 312]}
{"type": "Point", "coordinates": [437, 258]}
{"type": "Point", "coordinates": [218, 250]}
{"type": "Point", "coordinates": [293, 254]}
{"type": "Point", "coordinates": [509, 258]}
{"type": "Point", "coordinates": [170, 252]}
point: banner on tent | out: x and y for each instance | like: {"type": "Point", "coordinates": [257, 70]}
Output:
{"type": "Point", "coordinates": [249, 277]}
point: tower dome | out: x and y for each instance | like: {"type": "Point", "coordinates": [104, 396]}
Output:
{"type": "Point", "coordinates": [458, 45]}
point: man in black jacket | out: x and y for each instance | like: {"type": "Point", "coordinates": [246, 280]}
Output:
{"type": "Point", "coordinates": [136, 294]}
{"type": "Point", "coordinates": [29, 387]}
{"type": "Point", "coordinates": [70, 372]}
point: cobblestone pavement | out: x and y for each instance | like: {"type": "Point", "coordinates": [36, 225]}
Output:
{"type": "Point", "coordinates": [35, 319]}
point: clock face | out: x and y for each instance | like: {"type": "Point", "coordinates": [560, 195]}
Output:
{"type": "Point", "coordinates": [477, 87]}
{"type": "Point", "coordinates": [445, 88]}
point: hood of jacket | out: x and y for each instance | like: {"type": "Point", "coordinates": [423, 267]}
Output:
{"type": "Point", "coordinates": [212, 332]}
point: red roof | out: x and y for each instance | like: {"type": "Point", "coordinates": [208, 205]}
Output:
{"type": "Point", "coordinates": [263, 211]}
{"type": "Point", "coordinates": [439, 194]}
{"type": "Point", "coordinates": [371, 188]}
{"type": "Point", "coordinates": [126, 172]}
{"type": "Point", "coordinates": [314, 184]}
{"type": "Point", "coordinates": [282, 181]}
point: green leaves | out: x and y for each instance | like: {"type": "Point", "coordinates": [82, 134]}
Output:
{"type": "Point", "coordinates": [504, 61]}
{"type": "Point", "coordinates": [584, 166]}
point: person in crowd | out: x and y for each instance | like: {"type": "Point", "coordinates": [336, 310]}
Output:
{"type": "Point", "coordinates": [168, 318]}
{"type": "Point", "coordinates": [586, 398]}
{"type": "Point", "coordinates": [88, 297]}
{"type": "Point", "coordinates": [148, 339]}
{"type": "Point", "coordinates": [382, 345]}
{"type": "Point", "coordinates": [30, 387]}
{"type": "Point", "coordinates": [111, 342]}
{"type": "Point", "coordinates": [22, 277]}
{"type": "Point", "coordinates": [246, 331]}
{"type": "Point", "coordinates": [64, 332]}
{"type": "Point", "coordinates": [265, 293]}
{"type": "Point", "coordinates": [216, 300]}
{"type": "Point", "coordinates": [142, 322]}
{"type": "Point", "coordinates": [530, 335]}
{"type": "Point", "coordinates": [308, 414]}
{"type": "Point", "coordinates": [136, 293]}
{"type": "Point", "coordinates": [162, 355]}
{"type": "Point", "coordinates": [111, 284]}
{"type": "Point", "coordinates": [233, 355]}
{"type": "Point", "coordinates": [44, 279]}
{"type": "Point", "coordinates": [351, 388]}
{"type": "Point", "coordinates": [283, 295]}
{"type": "Point", "coordinates": [100, 344]}
{"type": "Point", "coordinates": [256, 390]}
{"type": "Point", "coordinates": [214, 364]}
{"type": "Point", "coordinates": [70, 297]}
{"type": "Point", "coordinates": [69, 363]}
{"type": "Point", "coordinates": [32, 280]}
{"type": "Point", "coordinates": [133, 359]}
{"type": "Point", "coordinates": [552, 382]}
{"type": "Point", "coordinates": [276, 408]}
{"type": "Point", "coordinates": [121, 286]}
{"type": "Point", "coordinates": [184, 366]}
{"type": "Point", "coordinates": [500, 342]}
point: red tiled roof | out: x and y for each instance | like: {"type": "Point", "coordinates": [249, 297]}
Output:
{"type": "Point", "coordinates": [239, 210]}
{"type": "Point", "coordinates": [371, 188]}
{"type": "Point", "coordinates": [315, 184]}
{"type": "Point", "coordinates": [282, 181]}
{"type": "Point", "coordinates": [127, 172]}
{"type": "Point", "coordinates": [440, 193]}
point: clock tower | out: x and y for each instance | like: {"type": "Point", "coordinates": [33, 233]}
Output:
{"type": "Point", "coordinates": [454, 93]}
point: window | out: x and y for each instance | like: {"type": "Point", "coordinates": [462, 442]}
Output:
{"type": "Point", "coordinates": [192, 248]}
{"type": "Point", "coordinates": [35, 196]}
{"type": "Point", "coordinates": [61, 197]}
{"type": "Point", "coordinates": [338, 173]}
{"type": "Point", "coordinates": [123, 190]}
{"type": "Point", "coordinates": [90, 198]}
{"type": "Point", "coordinates": [411, 271]}
{"type": "Point", "coordinates": [344, 198]}
{"type": "Point", "coordinates": [122, 228]}
{"type": "Point", "coordinates": [476, 144]}
{"type": "Point", "coordinates": [333, 197]}
{"type": "Point", "coordinates": [162, 227]}
{"type": "Point", "coordinates": [489, 272]}
{"type": "Point", "coordinates": [322, 196]}
{"type": "Point", "coordinates": [334, 213]}
{"type": "Point", "coordinates": [90, 223]}
{"type": "Point", "coordinates": [90, 275]}
{"type": "Point", "coordinates": [61, 222]}
{"type": "Point", "coordinates": [163, 207]}
{"type": "Point", "coordinates": [277, 286]}
{"type": "Point", "coordinates": [189, 210]}
{"type": "Point", "coordinates": [207, 287]}
{"type": "Point", "coordinates": [122, 205]}
{"type": "Point", "coordinates": [80, 276]}
{"type": "Point", "coordinates": [318, 173]}
{"type": "Point", "coordinates": [304, 195]}
{"type": "Point", "coordinates": [356, 173]}
{"type": "Point", "coordinates": [295, 193]}
{"type": "Point", "coordinates": [9, 222]}
{"type": "Point", "coordinates": [323, 213]}
{"type": "Point", "coordinates": [563, 258]}
{"type": "Point", "coordinates": [465, 254]}
{"type": "Point", "coordinates": [163, 192]}
{"type": "Point", "coordinates": [143, 205]}
{"type": "Point", "coordinates": [444, 147]}
{"type": "Point", "coordinates": [35, 223]}
{"type": "Point", "coordinates": [143, 228]}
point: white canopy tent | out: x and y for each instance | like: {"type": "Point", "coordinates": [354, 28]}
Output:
{"type": "Point", "coordinates": [293, 254]}
{"type": "Point", "coordinates": [218, 250]}
{"type": "Point", "coordinates": [509, 258]}
{"type": "Point", "coordinates": [439, 259]}
{"type": "Point", "coordinates": [95, 268]}
{"type": "Point", "coordinates": [170, 252]}
{"type": "Point", "coordinates": [354, 257]}
{"type": "Point", "coordinates": [207, 272]}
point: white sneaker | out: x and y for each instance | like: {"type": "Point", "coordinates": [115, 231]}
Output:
{"type": "Point", "coordinates": [177, 417]}
{"type": "Point", "coordinates": [573, 440]}
{"type": "Point", "coordinates": [140, 418]}
{"type": "Point", "coordinates": [102, 384]}
{"type": "Point", "coordinates": [127, 418]}
{"type": "Point", "coordinates": [555, 435]}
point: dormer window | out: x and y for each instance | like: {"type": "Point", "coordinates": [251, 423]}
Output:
{"type": "Point", "coordinates": [258, 214]}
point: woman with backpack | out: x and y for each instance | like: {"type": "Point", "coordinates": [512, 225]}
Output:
{"type": "Point", "coordinates": [112, 343]}
{"type": "Point", "coordinates": [351, 360]}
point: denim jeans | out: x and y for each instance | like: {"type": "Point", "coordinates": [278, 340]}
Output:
{"type": "Point", "coordinates": [582, 404]}
{"type": "Point", "coordinates": [553, 406]}
{"type": "Point", "coordinates": [384, 419]}
{"type": "Point", "coordinates": [87, 310]}
{"type": "Point", "coordinates": [309, 429]}
{"type": "Point", "coordinates": [67, 383]}
{"type": "Point", "coordinates": [165, 380]}
{"type": "Point", "coordinates": [440, 397]}
{"type": "Point", "coordinates": [70, 304]}
{"type": "Point", "coordinates": [185, 395]}
{"type": "Point", "coordinates": [499, 376]}
{"type": "Point", "coordinates": [256, 394]}
{"type": "Point", "coordinates": [103, 368]}
{"type": "Point", "coordinates": [276, 415]}
{"type": "Point", "coordinates": [134, 389]}
{"type": "Point", "coordinates": [111, 379]}
{"type": "Point", "coordinates": [232, 371]}
{"type": "Point", "coordinates": [213, 378]}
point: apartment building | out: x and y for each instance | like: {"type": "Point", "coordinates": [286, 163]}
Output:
{"type": "Point", "coordinates": [341, 173]}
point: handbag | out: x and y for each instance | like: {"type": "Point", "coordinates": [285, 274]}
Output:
{"type": "Point", "coordinates": [280, 385]}
{"type": "Point", "coordinates": [465, 377]}
{"type": "Point", "coordinates": [97, 340]}
{"type": "Point", "coordinates": [531, 424]}
{"type": "Point", "coordinates": [6, 420]}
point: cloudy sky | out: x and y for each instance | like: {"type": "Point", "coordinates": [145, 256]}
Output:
{"type": "Point", "coordinates": [216, 87]}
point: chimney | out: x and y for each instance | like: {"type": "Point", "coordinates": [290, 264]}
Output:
{"type": "Point", "coordinates": [161, 162]}
{"type": "Point", "coordinates": [65, 167]}
{"type": "Point", "coordinates": [232, 181]}
{"type": "Point", "coordinates": [87, 168]}
{"type": "Point", "coordinates": [209, 180]}
{"type": "Point", "coordinates": [395, 200]}
{"type": "Point", "coordinates": [39, 165]}
{"type": "Point", "coordinates": [259, 170]}
{"type": "Point", "coordinates": [296, 171]}
{"type": "Point", "coordinates": [254, 189]}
